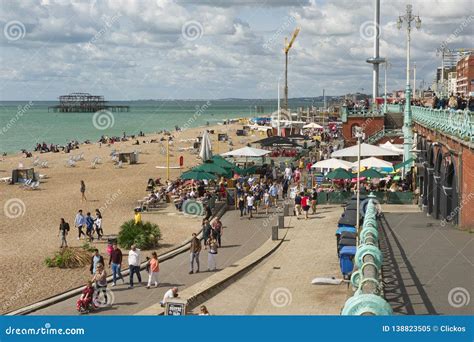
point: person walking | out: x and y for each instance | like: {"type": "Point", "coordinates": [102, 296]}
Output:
{"type": "Point", "coordinates": [100, 279]}
{"type": "Point", "coordinates": [115, 261]}
{"type": "Point", "coordinates": [242, 205]}
{"type": "Point", "coordinates": [63, 231]}
{"type": "Point", "coordinates": [98, 224]}
{"type": "Point", "coordinates": [266, 201]}
{"type": "Point", "coordinates": [314, 200]}
{"type": "Point", "coordinates": [250, 203]}
{"type": "Point", "coordinates": [194, 253]}
{"type": "Point", "coordinates": [89, 227]}
{"type": "Point", "coordinates": [206, 232]}
{"type": "Point", "coordinates": [211, 255]}
{"type": "Point", "coordinates": [79, 222]}
{"type": "Point", "coordinates": [134, 264]}
{"type": "Point", "coordinates": [297, 204]}
{"type": "Point", "coordinates": [305, 204]}
{"type": "Point", "coordinates": [217, 230]}
{"type": "Point", "coordinates": [95, 260]}
{"type": "Point", "coordinates": [154, 269]}
{"type": "Point", "coordinates": [83, 191]}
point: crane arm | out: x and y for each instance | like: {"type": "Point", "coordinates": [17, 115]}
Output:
{"type": "Point", "coordinates": [290, 44]}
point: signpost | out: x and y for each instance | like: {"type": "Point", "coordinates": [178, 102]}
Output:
{"type": "Point", "coordinates": [175, 307]}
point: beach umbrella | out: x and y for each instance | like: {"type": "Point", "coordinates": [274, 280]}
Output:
{"type": "Point", "coordinates": [332, 163]}
{"type": "Point", "coordinates": [246, 152]}
{"type": "Point", "coordinates": [366, 150]}
{"type": "Point", "coordinates": [373, 162]}
{"type": "Point", "coordinates": [340, 174]}
{"type": "Point", "coordinates": [213, 168]}
{"type": "Point", "coordinates": [313, 125]}
{"type": "Point", "coordinates": [206, 147]}
{"type": "Point", "coordinates": [371, 173]}
{"type": "Point", "coordinates": [220, 161]}
{"type": "Point", "coordinates": [198, 175]}
{"type": "Point", "coordinates": [389, 146]}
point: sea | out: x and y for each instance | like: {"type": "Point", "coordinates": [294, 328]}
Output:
{"type": "Point", "coordinates": [23, 124]}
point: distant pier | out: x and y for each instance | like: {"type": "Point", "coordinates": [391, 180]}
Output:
{"type": "Point", "coordinates": [85, 103]}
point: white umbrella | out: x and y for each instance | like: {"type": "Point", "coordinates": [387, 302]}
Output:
{"type": "Point", "coordinates": [366, 150]}
{"type": "Point", "coordinates": [313, 125]}
{"type": "Point", "coordinates": [206, 147]}
{"type": "Point", "coordinates": [332, 163]}
{"type": "Point", "coordinates": [389, 146]}
{"type": "Point", "coordinates": [246, 152]}
{"type": "Point", "coordinates": [373, 162]}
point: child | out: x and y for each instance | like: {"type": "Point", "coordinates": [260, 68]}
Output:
{"type": "Point", "coordinates": [84, 302]}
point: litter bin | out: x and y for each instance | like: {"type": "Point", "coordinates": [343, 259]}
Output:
{"type": "Point", "coordinates": [346, 239]}
{"type": "Point", "coordinates": [346, 260]}
{"type": "Point", "coordinates": [286, 209]}
{"type": "Point", "coordinates": [274, 233]}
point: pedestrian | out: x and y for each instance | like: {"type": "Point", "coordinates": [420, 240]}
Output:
{"type": "Point", "coordinates": [208, 210]}
{"type": "Point", "coordinates": [194, 253]}
{"type": "Point", "coordinates": [95, 260]}
{"type": "Point", "coordinates": [98, 224]}
{"type": "Point", "coordinates": [137, 216]}
{"type": "Point", "coordinates": [115, 261]}
{"type": "Point", "coordinates": [100, 279]}
{"type": "Point", "coordinates": [154, 269]}
{"type": "Point", "coordinates": [206, 232]}
{"type": "Point", "coordinates": [89, 227]}
{"type": "Point", "coordinates": [314, 200]}
{"type": "Point", "coordinates": [211, 255]}
{"type": "Point", "coordinates": [242, 205]}
{"type": "Point", "coordinates": [266, 201]}
{"type": "Point", "coordinates": [83, 191]}
{"type": "Point", "coordinates": [79, 222]}
{"type": "Point", "coordinates": [203, 311]}
{"type": "Point", "coordinates": [170, 294]}
{"type": "Point", "coordinates": [297, 204]}
{"type": "Point", "coordinates": [63, 231]}
{"type": "Point", "coordinates": [305, 205]}
{"type": "Point", "coordinates": [134, 264]}
{"type": "Point", "coordinates": [274, 193]}
{"type": "Point", "coordinates": [217, 230]}
{"type": "Point", "coordinates": [250, 203]}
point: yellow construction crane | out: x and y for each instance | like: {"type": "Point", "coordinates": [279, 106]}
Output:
{"type": "Point", "coordinates": [287, 48]}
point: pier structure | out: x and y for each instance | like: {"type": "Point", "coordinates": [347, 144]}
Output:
{"type": "Point", "coordinates": [85, 103]}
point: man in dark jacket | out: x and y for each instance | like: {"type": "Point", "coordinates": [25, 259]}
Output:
{"type": "Point", "coordinates": [115, 262]}
{"type": "Point", "coordinates": [194, 253]}
{"type": "Point", "coordinates": [96, 259]}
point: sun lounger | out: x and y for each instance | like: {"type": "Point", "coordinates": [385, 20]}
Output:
{"type": "Point", "coordinates": [94, 164]}
{"type": "Point", "coordinates": [71, 163]}
{"type": "Point", "coordinates": [33, 186]}
{"type": "Point", "coordinates": [119, 165]}
{"type": "Point", "coordinates": [26, 184]}
{"type": "Point", "coordinates": [6, 179]}
{"type": "Point", "coordinates": [44, 165]}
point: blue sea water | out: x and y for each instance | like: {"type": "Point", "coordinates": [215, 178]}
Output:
{"type": "Point", "coordinates": [23, 124]}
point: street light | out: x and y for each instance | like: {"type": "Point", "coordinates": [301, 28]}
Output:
{"type": "Point", "coordinates": [359, 135]}
{"type": "Point", "coordinates": [408, 18]}
{"type": "Point", "coordinates": [387, 65]}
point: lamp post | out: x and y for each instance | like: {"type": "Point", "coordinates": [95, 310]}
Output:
{"type": "Point", "coordinates": [387, 65]}
{"type": "Point", "coordinates": [359, 134]}
{"type": "Point", "coordinates": [408, 18]}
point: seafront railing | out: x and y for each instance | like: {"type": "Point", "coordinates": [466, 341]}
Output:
{"type": "Point", "coordinates": [367, 280]}
{"type": "Point", "coordinates": [359, 112]}
{"type": "Point", "coordinates": [458, 123]}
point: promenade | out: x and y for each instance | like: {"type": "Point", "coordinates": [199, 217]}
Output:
{"type": "Point", "coordinates": [241, 237]}
{"type": "Point", "coordinates": [281, 284]}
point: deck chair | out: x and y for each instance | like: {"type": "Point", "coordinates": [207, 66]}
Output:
{"type": "Point", "coordinates": [36, 162]}
{"type": "Point", "coordinates": [94, 164]}
{"type": "Point", "coordinates": [44, 165]}
{"type": "Point", "coordinates": [119, 165]}
{"type": "Point", "coordinates": [26, 184]}
{"type": "Point", "coordinates": [33, 186]}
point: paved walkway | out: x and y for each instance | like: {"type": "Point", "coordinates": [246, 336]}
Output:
{"type": "Point", "coordinates": [281, 284]}
{"type": "Point", "coordinates": [424, 261]}
{"type": "Point", "coordinates": [241, 237]}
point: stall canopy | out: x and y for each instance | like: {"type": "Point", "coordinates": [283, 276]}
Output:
{"type": "Point", "coordinates": [246, 152]}
{"type": "Point", "coordinates": [313, 125]}
{"type": "Point", "coordinates": [389, 146]}
{"type": "Point", "coordinates": [373, 162]}
{"type": "Point", "coordinates": [213, 168]}
{"type": "Point", "coordinates": [276, 141]}
{"type": "Point", "coordinates": [332, 163]}
{"type": "Point", "coordinates": [198, 175]}
{"type": "Point", "coordinates": [340, 174]}
{"type": "Point", "coordinates": [366, 150]}
{"type": "Point", "coordinates": [371, 173]}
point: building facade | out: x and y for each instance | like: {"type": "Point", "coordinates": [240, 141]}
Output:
{"type": "Point", "coordinates": [465, 76]}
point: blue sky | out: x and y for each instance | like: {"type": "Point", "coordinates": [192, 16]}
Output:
{"type": "Point", "coordinates": [167, 49]}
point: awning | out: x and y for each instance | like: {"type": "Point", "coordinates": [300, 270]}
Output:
{"type": "Point", "coordinates": [405, 163]}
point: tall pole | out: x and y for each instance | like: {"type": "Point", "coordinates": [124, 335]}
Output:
{"type": "Point", "coordinates": [359, 134]}
{"type": "Point", "coordinates": [375, 73]}
{"type": "Point", "coordinates": [385, 88]}
{"type": "Point", "coordinates": [408, 18]}
{"type": "Point", "coordinates": [414, 80]}
{"type": "Point", "coordinates": [285, 103]}
{"type": "Point", "coordinates": [279, 110]}
{"type": "Point", "coordinates": [168, 159]}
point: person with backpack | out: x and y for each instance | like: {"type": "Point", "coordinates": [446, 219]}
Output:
{"type": "Point", "coordinates": [63, 231]}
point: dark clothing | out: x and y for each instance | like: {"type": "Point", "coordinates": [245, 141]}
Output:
{"type": "Point", "coordinates": [135, 270]}
{"type": "Point", "coordinates": [64, 228]}
{"type": "Point", "coordinates": [195, 245]}
{"type": "Point", "coordinates": [101, 261]}
{"type": "Point", "coordinates": [116, 257]}
{"type": "Point", "coordinates": [298, 199]}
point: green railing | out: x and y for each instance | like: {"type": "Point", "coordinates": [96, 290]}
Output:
{"type": "Point", "coordinates": [458, 123]}
{"type": "Point", "coordinates": [394, 108]}
{"type": "Point", "coordinates": [359, 112]}
{"type": "Point", "coordinates": [384, 132]}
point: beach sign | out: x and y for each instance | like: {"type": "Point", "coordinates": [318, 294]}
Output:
{"type": "Point", "coordinates": [175, 307]}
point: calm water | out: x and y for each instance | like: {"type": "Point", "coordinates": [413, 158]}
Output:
{"type": "Point", "coordinates": [24, 124]}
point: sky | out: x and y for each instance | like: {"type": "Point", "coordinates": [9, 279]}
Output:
{"type": "Point", "coordinates": [211, 49]}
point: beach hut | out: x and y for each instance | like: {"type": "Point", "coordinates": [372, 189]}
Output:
{"type": "Point", "coordinates": [128, 157]}
{"type": "Point", "coordinates": [22, 175]}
